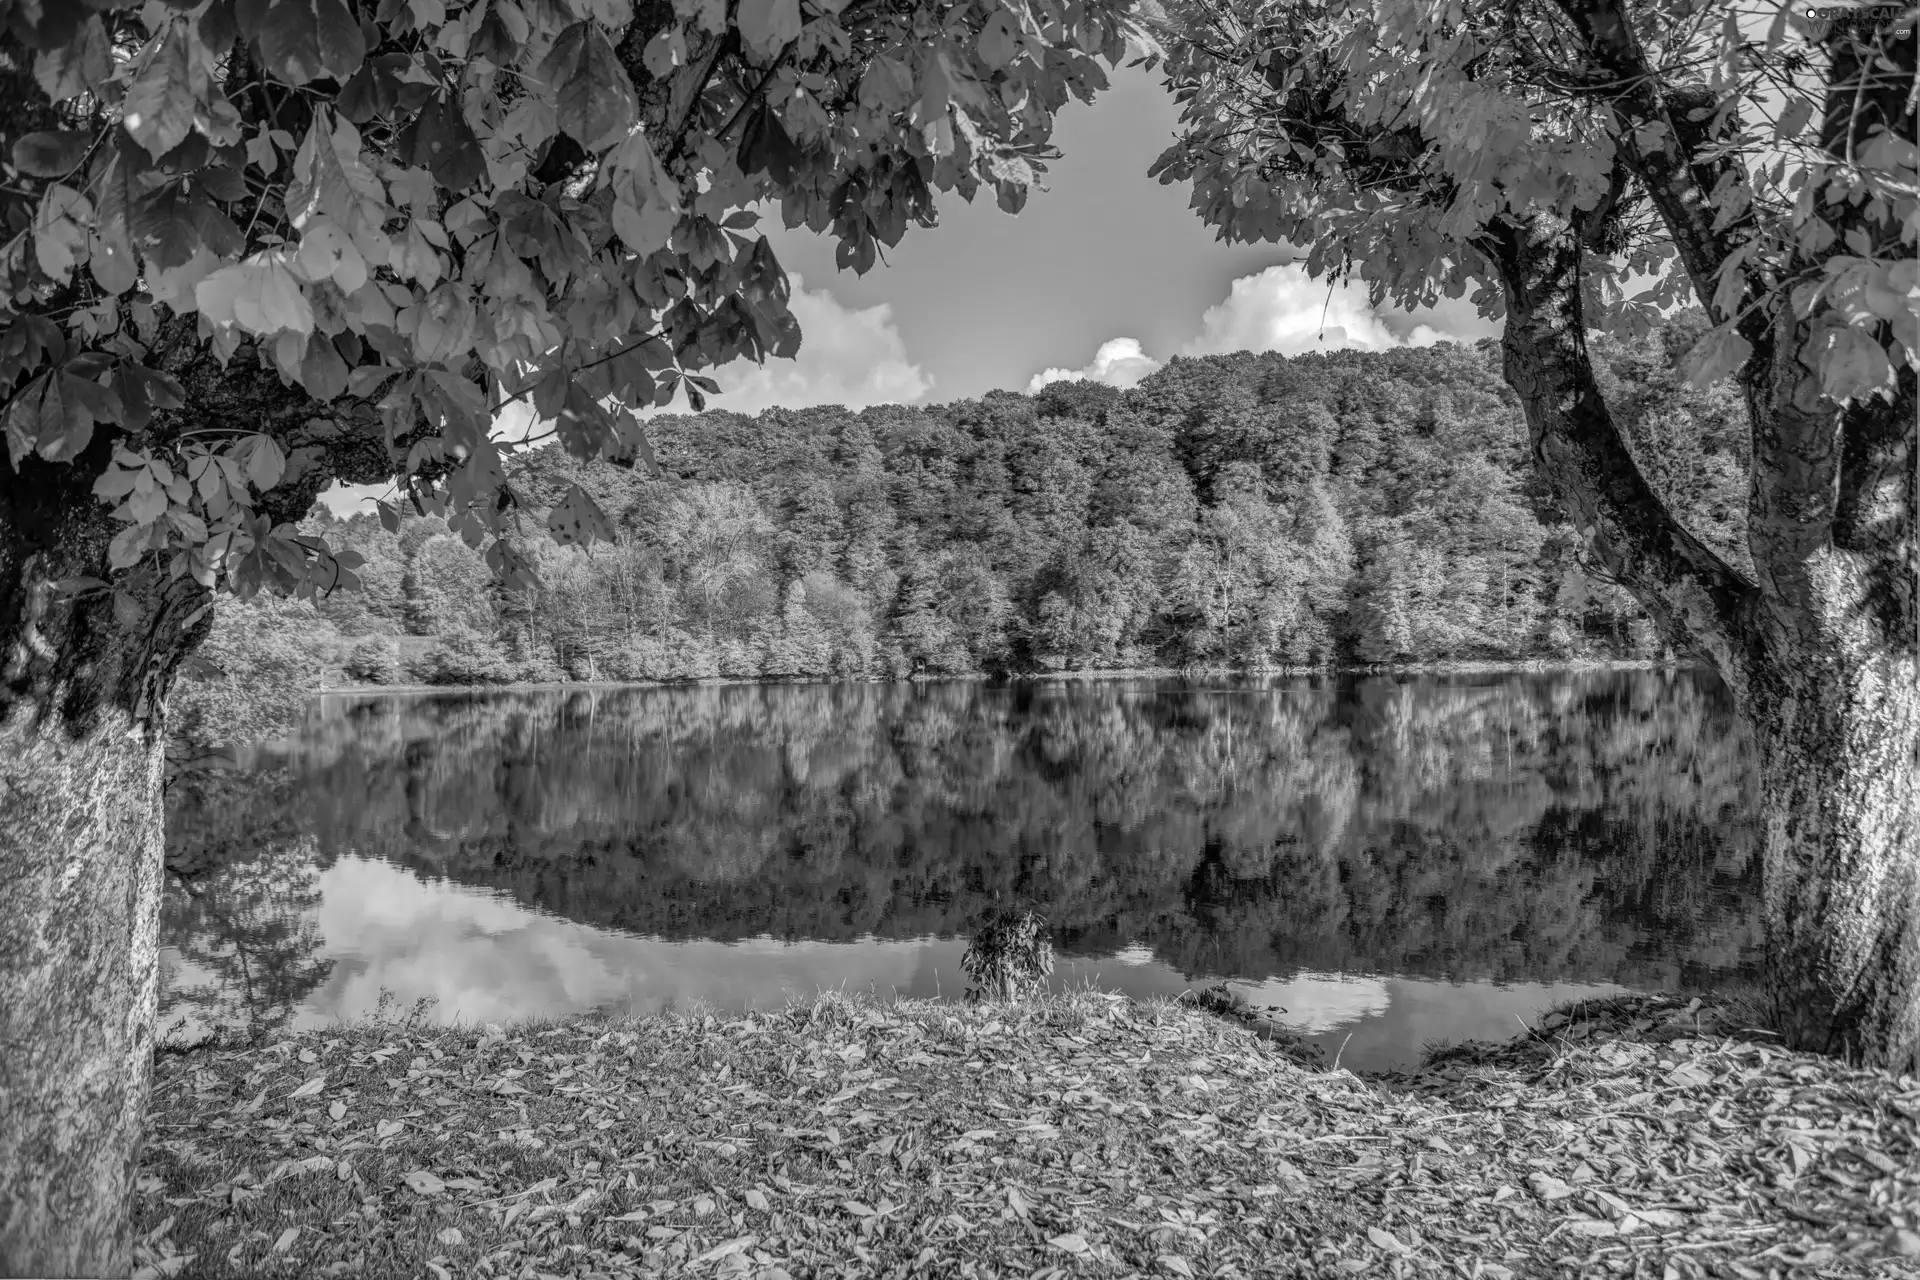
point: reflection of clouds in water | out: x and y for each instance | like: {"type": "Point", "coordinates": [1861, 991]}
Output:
{"type": "Point", "coordinates": [485, 958]}
{"type": "Point", "coordinates": [1319, 1002]}
{"type": "Point", "coordinates": [1389, 1029]}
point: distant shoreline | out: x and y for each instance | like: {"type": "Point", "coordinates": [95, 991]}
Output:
{"type": "Point", "coordinates": [1538, 666]}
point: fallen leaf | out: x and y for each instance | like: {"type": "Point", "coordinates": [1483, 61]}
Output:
{"type": "Point", "coordinates": [338, 1111]}
{"type": "Point", "coordinates": [425, 1183]}
{"type": "Point", "coordinates": [310, 1088]}
{"type": "Point", "coordinates": [1385, 1239]}
{"type": "Point", "coordinates": [756, 1200]}
{"type": "Point", "coordinates": [451, 1238]}
{"type": "Point", "coordinates": [387, 1128]}
{"type": "Point", "coordinates": [1175, 1263]}
{"type": "Point", "coordinates": [1548, 1187]}
{"type": "Point", "coordinates": [287, 1237]}
{"type": "Point", "coordinates": [1072, 1242]}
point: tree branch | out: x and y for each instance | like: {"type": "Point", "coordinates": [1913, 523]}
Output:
{"type": "Point", "coordinates": [1676, 179]}
{"type": "Point", "coordinates": [1584, 456]}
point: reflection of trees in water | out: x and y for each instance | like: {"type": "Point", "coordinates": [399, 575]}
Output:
{"type": "Point", "coordinates": [241, 904]}
{"type": "Point", "coordinates": [1587, 827]}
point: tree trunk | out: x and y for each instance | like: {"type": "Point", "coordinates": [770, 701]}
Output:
{"type": "Point", "coordinates": [80, 872]}
{"type": "Point", "coordinates": [1838, 737]}
{"type": "Point", "coordinates": [1820, 654]}
{"type": "Point", "coordinates": [84, 675]}
{"type": "Point", "coordinates": [83, 682]}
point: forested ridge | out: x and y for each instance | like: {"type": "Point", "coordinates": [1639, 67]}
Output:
{"type": "Point", "coordinates": [1243, 510]}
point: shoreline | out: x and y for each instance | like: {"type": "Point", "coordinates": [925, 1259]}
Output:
{"type": "Point", "coordinates": [1532, 666]}
{"type": "Point", "coordinates": [1080, 1134]}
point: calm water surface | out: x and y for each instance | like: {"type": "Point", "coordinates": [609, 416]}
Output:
{"type": "Point", "coordinates": [1394, 862]}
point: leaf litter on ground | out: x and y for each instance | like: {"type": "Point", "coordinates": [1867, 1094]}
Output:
{"type": "Point", "coordinates": [1070, 1135]}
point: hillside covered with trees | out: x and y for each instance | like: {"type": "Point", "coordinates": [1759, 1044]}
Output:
{"type": "Point", "coordinates": [1246, 510]}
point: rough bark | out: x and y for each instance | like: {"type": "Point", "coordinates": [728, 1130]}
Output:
{"type": "Point", "coordinates": [1838, 734]}
{"type": "Point", "coordinates": [80, 851]}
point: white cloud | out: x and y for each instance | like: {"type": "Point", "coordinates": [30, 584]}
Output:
{"type": "Point", "coordinates": [1119, 363]}
{"type": "Point", "coordinates": [848, 357]}
{"type": "Point", "coordinates": [1282, 310]}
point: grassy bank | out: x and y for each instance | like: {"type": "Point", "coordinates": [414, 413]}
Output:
{"type": "Point", "coordinates": [1079, 1135]}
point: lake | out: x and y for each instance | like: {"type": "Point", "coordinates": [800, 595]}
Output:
{"type": "Point", "coordinates": [1393, 861]}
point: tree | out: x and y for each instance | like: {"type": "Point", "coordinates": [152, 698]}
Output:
{"type": "Point", "coordinates": [252, 247]}
{"type": "Point", "coordinates": [1548, 153]}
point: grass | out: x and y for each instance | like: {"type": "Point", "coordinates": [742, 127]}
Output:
{"type": "Point", "coordinates": [1073, 1135]}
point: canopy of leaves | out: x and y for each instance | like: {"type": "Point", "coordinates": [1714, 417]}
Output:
{"type": "Point", "coordinates": [419, 211]}
{"type": "Point", "coordinates": [1693, 135]}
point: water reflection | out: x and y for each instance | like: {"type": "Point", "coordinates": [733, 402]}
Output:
{"type": "Point", "coordinates": [1394, 861]}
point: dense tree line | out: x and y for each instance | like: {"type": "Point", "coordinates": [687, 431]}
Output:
{"type": "Point", "coordinates": [1590, 827]}
{"type": "Point", "coordinates": [1252, 511]}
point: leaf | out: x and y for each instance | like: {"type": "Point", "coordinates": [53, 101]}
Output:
{"type": "Point", "coordinates": [440, 139]}
{"type": "Point", "coordinates": [127, 611]}
{"type": "Point", "coordinates": [77, 66]}
{"type": "Point", "coordinates": [1716, 355]}
{"type": "Point", "coordinates": [337, 1111]}
{"type": "Point", "coordinates": [265, 463]}
{"type": "Point", "coordinates": [1548, 1187]}
{"type": "Point", "coordinates": [1794, 116]}
{"type": "Point", "coordinates": [1852, 364]}
{"type": "Point", "coordinates": [50, 153]}
{"type": "Point", "coordinates": [387, 1128]}
{"type": "Point", "coordinates": [303, 40]}
{"type": "Point", "coordinates": [998, 41]}
{"type": "Point", "coordinates": [59, 230]}
{"type": "Point", "coordinates": [1384, 1239]}
{"type": "Point", "coordinates": [766, 26]}
{"type": "Point", "coordinates": [160, 103]}
{"type": "Point", "coordinates": [593, 98]}
{"type": "Point", "coordinates": [1072, 1242]}
{"type": "Point", "coordinates": [287, 1237]}
{"type": "Point", "coordinates": [646, 203]}
{"type": "Point", "coordinates": [310, 1088]}
{"type": "Point", "coordinates": [260, 295]}
{"type": "Point", "coordinates": [578, 519]}
{"type": "Point", "coordinates": [1174, 1263]}
{"type": "Point", "coordinates": [425, 1183]}
{"type": "Point", "coordinates": [331, 178]}
{"type": "Point", "coordinates": [664, 52]}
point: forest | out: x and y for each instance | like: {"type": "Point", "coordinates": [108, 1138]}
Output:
{"type": "Point", "coordinates": [1245, 511]}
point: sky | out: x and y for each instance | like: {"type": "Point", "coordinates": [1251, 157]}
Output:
{"type": "Point", "coordinates": [1105, 274]}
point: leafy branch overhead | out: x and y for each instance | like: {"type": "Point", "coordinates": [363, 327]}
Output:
{"type": "Point", "coordinates": [1698, 152]}
{"type": "Point", "coordinates": [417, 212]}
